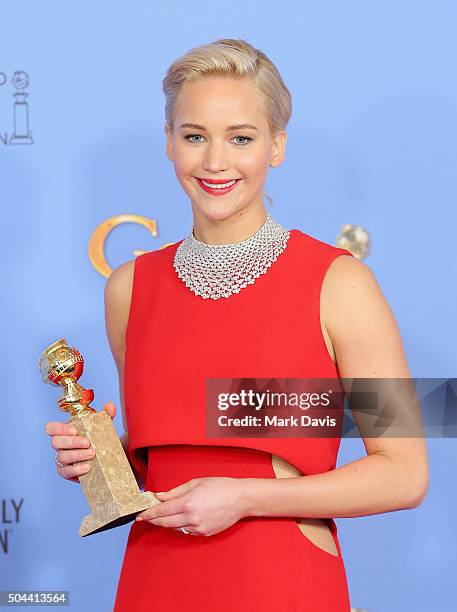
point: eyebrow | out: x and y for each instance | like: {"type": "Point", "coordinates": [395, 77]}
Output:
{"type": "Point", "coordinates": [241, 126]}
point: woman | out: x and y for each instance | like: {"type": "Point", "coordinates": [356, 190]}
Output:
{"type": "Point", "coordinates": [244, 523]}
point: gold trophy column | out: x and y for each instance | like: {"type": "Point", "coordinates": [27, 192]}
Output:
{"type": "Point", "coordinates": [110, 486]}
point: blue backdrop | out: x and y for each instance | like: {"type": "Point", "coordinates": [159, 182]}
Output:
{"type": "Point", "coordinates": [371, 142]}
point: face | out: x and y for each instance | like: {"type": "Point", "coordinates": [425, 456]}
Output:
{"type": "Point", "coordinates": [206, 145]}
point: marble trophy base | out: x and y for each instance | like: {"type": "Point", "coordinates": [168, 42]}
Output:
{"type": "Point", "coordinates": [110, 486]}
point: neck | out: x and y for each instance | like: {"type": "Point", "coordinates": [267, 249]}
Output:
{"type": "Point", "coordinates": [236, 228]}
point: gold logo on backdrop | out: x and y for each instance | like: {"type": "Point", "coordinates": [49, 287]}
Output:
{"type": "Point", "coordinates": [98, 239]}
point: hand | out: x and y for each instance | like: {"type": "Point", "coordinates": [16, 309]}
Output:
{"type": "Point", "coordinates": [204, 506]}
{"type": "Point", "coordinates": [65, 436]}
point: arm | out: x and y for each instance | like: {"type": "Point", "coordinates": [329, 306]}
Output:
{"type": "Point", "coordinates": [118, 295]}
{"type": "Point", "coordinates": [367, 344]}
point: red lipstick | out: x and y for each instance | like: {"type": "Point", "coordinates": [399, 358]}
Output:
{"type": "Point", "coordinates": [217, 191]}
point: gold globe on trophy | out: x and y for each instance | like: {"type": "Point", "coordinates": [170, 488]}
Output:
{"type": "Point", "coordinates": [110, 486]}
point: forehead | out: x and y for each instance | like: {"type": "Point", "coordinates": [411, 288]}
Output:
{"type": "Point", "coordinates": [220, 98]}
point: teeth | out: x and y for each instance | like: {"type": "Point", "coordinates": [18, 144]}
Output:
{"type": "Point", "coordinates": [222, 186]}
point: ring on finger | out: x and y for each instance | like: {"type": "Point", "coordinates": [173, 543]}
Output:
{"type": "Point", "coordinates": [56, 458]}
{"type": "Point", "coordinates": [184, 530]}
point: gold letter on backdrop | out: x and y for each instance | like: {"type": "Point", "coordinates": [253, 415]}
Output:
{"type": "Point", "coordinates": [98, 238]}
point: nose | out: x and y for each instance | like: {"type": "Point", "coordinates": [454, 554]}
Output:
{"type": "Point", "coordinates": [216, 158]}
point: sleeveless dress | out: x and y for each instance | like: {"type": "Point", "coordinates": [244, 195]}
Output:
{"type": "Point", "coordinates": [174, 341]}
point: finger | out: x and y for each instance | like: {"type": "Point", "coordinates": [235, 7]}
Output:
{"type": "Point", "coordinates": [110, 408]}
{"type": "Point", "coordinates": [168, 508]}
{"type": "Point", "coordinates": [173, 521]}
{"type": "Point", "coordinates": [74, 456]}
{"type": "Point", "coordinates": [178, 491]}
{"type": "Point", "coordinates": [58, 428]}
{"type": "Point", "coordinates": [70, 472]}
{"type": "Point", "coordinates": [59, 442]}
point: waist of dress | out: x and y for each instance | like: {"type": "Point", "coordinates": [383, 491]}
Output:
{"type": "Point", "coordinates": [173, 464]}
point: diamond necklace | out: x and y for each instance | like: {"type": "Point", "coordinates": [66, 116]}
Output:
{"type": "Point", "coordinates": [220, 270]}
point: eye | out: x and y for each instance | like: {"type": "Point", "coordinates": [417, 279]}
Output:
{"type": "Point", "coordinates": [246, 138]}
{"type": "Point", "coordinates": [192, 136]}
{"type": "Point", "coordinates": [189, 138]}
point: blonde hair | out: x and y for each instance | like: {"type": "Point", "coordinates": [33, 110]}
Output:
{"type": "Point", "coordinates": [230, 57]}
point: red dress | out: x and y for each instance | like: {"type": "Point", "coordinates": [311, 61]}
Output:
{"type": "Point", "coordinates": [174, 341]}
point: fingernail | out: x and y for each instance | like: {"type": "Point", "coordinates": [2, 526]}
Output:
{"type": "Point", "coordinates": [138, 518]}
{"type": "Point", "coordinates": [160, 492]}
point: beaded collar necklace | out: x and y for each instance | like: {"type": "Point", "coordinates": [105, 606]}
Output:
{"type": "Point", "coordinates": [220, 270]}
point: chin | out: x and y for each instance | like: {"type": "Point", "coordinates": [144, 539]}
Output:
{"type": "Point", "coordinates": [215, 215]}
{"type": "Point", "coordinates": [217, 212]}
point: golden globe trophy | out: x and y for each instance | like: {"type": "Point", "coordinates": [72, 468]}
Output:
{"type": "Point", "coordinates": [110, 486]}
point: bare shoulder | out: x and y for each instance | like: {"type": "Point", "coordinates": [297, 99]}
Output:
{"type": "Point", "coordinates": [346, 287]}
{"type": "Point", "coordinates": [120, 282]}
{"type": "Point", "coordinates": [364, 334]}
{"type": "Point", "coordinates": [118, 295]}
{"type": "Point", "coordinates": [346, 273]}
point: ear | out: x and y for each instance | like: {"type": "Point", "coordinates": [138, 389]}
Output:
{"type": "Point", "coordinates": [169, 146]}
{"type": "Point", "coordinates": [278, 149]}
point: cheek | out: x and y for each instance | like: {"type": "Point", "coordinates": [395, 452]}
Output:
{"type": "Point", "coordinates": [254, 163]}
{"type": "Point", "coordinates": [254, 169]}
{"type": "Point", "coordinates": [185, 160]}
{"type": "Point", "coordinates": [180, 167]}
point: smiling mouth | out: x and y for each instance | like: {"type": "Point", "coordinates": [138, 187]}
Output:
{"type": "Point", "coordinates": [217, 186]}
